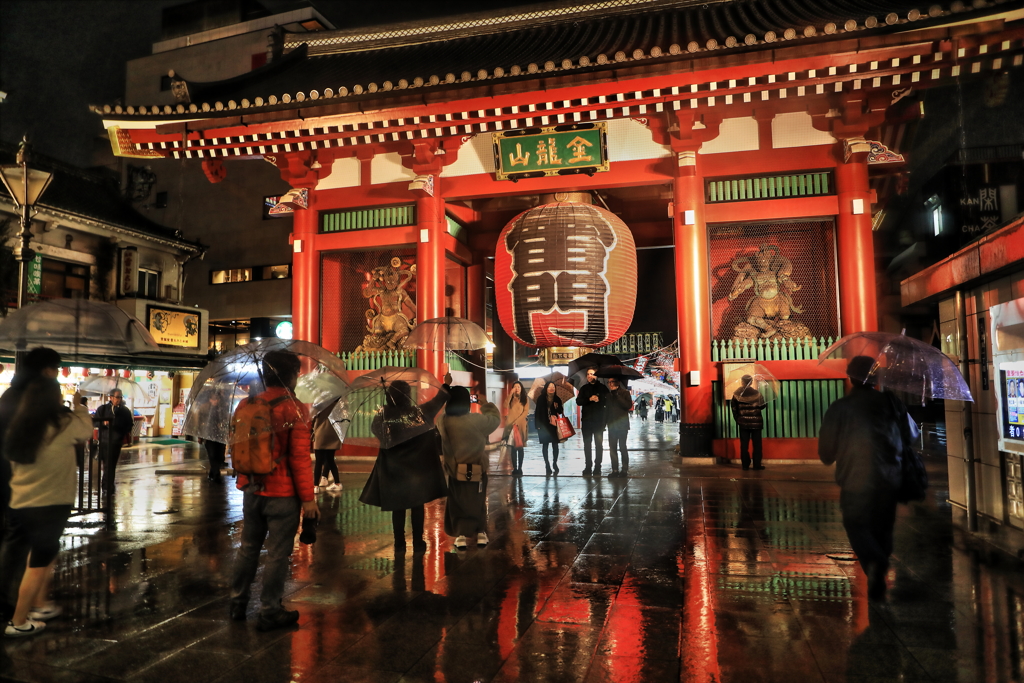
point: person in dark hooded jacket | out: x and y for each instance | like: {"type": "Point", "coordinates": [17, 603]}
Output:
{"type": "Point", "coordinates": [861, 434]}
{"type": "Point", "coordinates": [747, 404]}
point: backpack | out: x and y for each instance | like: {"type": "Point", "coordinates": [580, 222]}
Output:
{"type": "Point", "coordinates": [252, 436]}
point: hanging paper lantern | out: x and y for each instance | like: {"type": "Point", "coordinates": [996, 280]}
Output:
{"type": "Point", "coordinates": [65, 371]}
{"type": "Point", "coordinates": [127, 374]}
{"type": "Point", "coordinates": [108, 373]}
{"type": "Point", "coordinates": [565, 275]}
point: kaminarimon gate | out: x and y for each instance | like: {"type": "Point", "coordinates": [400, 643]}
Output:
{"type": "Point", "coordinates": [754, 137]}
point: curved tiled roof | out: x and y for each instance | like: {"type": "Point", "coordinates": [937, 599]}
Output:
{"type": "Point", "coordinates": [93, 197]}
{"type": "Point", "coordinates": [370, 64]}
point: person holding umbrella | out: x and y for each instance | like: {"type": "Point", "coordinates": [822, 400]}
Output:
{"type": "Point", "coordinates": [747, 405]}
{"type": "Point", "coordinates": [273, 503]}
{"type": "Point", "coordinates": [215, 450]}
{"type": "Point", "coordinates": [407, 473]}
{"type": "Point", "coordinates": [515, 420]}
{"type": "Point", "coordinates": [862, 434]}
{"type": "Point", "coordinates": [464, 436]}
{"type": "Point", "coordinates": [114, 421]}
{"type": "Point", "coordinates": [619, 405]}
{"type": "Point", "coordinates": [592, 398]}
{"type": "Point", "coordinates": [548, 409]}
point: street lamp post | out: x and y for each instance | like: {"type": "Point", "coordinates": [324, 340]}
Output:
{"type": "Point", "coordinates": [25, 186]}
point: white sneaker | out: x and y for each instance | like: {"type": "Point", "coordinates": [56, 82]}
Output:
{"type": "Point", "coordinates": [323, 482]}
{"type": "Point", "coordinates": [481, 539]}
{"type": "Point", "coordinates": [460, 542]}
{"type": "Point", "coordinates": [45, 613]}
{"type": "Point", "coordinates": [336, 486]}
{"type": "Point", "coordinates": [29, 628]}
{"type": "Point", "coordinates": [316, 489]}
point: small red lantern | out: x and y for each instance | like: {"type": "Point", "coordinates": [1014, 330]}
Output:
{"type": "Point", "coordinates": [565, 275]}
{"type": "Point", "coordinates": [65, 371]}
{"type": "Point", "coordinates": [127, 374]}
{"type": "Point", "coordinates": [108, 373]}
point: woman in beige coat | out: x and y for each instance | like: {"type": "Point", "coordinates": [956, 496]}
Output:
{"type": "Point", "coordinates": [515, 419]}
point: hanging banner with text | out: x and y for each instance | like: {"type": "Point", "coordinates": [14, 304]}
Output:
{"type": "Point", "coordinates": [34, 276]}
{"type": "Point", "coordinates": [555, 150]}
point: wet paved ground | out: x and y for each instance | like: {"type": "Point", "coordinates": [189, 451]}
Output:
{"type": "Point", "coordinates": [687, 571]}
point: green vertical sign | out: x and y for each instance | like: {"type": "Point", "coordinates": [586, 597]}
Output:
{"type": "Point", "coordinates": [551, 151]}
{"type": "Point", "coordinates": [35, 275]}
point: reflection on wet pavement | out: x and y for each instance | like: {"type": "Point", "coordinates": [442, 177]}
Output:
{"type": "Point", "coordinates": [689, 572]}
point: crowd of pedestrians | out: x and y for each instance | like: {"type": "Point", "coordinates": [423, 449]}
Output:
{"type": "Point", "coordinates": [432, 450]}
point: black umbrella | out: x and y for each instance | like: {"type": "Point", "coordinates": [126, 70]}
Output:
{"type": "Point", "coordinates": [578, 368]}
{"type": "Point", "coordinates": [619, 372]}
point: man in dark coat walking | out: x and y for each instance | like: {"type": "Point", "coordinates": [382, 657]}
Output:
{"type": "Point", "coordinates": [747, 404]}
{"type": "Point", "coordinates": [861, 434]}
{"type": "Point", "coordinates": [592, 399]}
{"type": "Point", "coordinates": [114, 421]}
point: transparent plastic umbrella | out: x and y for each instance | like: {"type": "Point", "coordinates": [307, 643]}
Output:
{"type": "Point", "coordinates": [238, 373]}
{"type": "Point", "coordinates": [761, 380]}
{"type": "Point", "coordinates": [449, 334]}
{"type": "Point", "coordinates": [388, 406]}
{"type": "Point", "coordinates": [905, 364]}
{"type": "Point", "coordinates": [76, 326]}
{"type": "Point", "coordinates": [99, 384]}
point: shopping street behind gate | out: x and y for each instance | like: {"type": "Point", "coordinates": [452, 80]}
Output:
{"type": "Point", "coordinates": [685, 571]}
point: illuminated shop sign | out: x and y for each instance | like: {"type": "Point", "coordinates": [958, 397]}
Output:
{"type": "Point", "coordinates": [555, 150]}
{"type": "Point", "coordinates": [171, 327]}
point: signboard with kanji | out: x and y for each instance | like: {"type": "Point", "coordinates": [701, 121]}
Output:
{"type": "Point", "coordinates": [555, 150]}
{"type": "Point", "coordinates": [34, 276]}
{"type": "Point", "coordinates": [171, 327]}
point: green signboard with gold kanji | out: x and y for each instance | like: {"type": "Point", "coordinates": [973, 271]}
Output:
{"type": "Point", "coordinates": [555, 150]}
{"type": "Point", "coordinates": [34, 276]}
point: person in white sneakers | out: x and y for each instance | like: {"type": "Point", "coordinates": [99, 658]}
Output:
{"type": "Point", "coordinates": [325, 444]}
{"type": "Point", "coordinates": [463, 438]}
{"type": "Point", "coordinates": [40, 444]}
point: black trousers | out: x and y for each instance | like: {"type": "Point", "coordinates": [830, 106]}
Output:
{"type": "Point", "coordinates": [324, 465]}
{"type": "Point", "coordinates": [869, 518]}
{"type": "Point", "coordinates": [110, 451]}
{"type": "Point", "coordinates": [416, 515]}
{"type": "Point", "coordinates": [595, 434]}
{"type": "Point", "coordinates": [746, 436]}
{"type": "Point", "coordinates": [215, 452]}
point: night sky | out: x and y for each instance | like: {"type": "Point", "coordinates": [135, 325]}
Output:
{"type": "Point", "coordinates": [57, 57]}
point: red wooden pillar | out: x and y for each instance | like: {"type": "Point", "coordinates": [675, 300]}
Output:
{"type": "Point", "coordinates": [305, 274]}
{"type": "Point", "coordinates": [858, 298]}
{"type": "Point", "coordinates": [693, 312]}
{"type": "Point", "coordinates": [331, 304]}
{"type": "Point", "coordinates": [430, 270]}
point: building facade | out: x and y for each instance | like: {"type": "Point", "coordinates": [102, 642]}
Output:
{"type": "Point", "coordinates": [748, 138]}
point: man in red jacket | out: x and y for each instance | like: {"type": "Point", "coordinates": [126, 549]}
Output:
{"type": "Point", "coordinates": [272, 502]}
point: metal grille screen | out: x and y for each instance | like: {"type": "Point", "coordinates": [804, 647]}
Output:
{"type": "Point", "coordinates": [773, 280]}
{"type": "Point", "coordinates": [345, 311]}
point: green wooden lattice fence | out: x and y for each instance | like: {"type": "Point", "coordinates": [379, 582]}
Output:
{"type": "Point", "coordinates": [796, 413]}
{"type": "Point", "coordinates": [769, 187]}
{"type": "Point", "coordinates": [807, 348]}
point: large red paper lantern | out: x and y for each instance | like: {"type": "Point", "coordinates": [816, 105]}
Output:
{"type": "Point", "coordinates": [565, 275]}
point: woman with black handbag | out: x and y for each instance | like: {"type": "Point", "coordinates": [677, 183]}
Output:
{"type": "Point", "coordinates": [549, 409]}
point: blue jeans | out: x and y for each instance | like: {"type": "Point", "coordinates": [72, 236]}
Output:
{"type": "Point", "coordinates": [274, 521]}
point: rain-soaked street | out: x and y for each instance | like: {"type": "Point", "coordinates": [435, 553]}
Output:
{"type": "Point", "coordinates": [686, 571]}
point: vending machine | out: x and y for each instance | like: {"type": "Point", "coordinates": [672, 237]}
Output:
{"type": "Point", "coordinates": [1007, 325]}
{"type": "Point", "coordinates": [1007, 330]}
